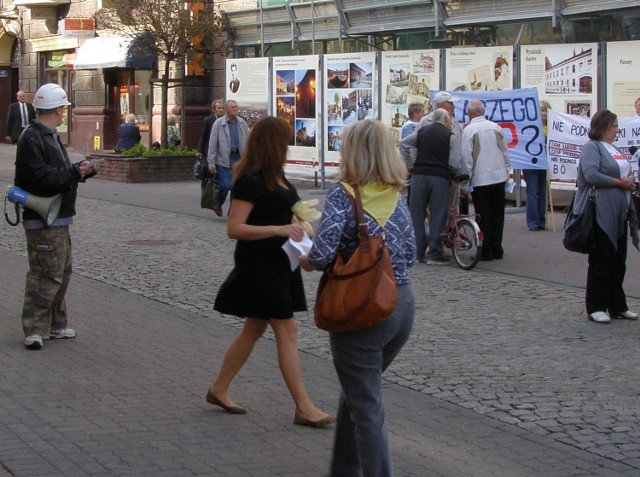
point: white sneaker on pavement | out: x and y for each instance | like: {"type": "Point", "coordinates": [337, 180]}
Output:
{"type": "Point", "coordinates": [599, 317]}
{"type": "Point", "coordinates": [33, 342]}
{"type": "Point", "coordinates": [627, 315]}
{"type": "Point", "coordinates": [61, 334]}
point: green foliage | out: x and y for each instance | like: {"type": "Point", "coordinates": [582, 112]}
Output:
{"type": "Point", "coordinates": [137, 150]}
{"type": "Point", "coordinates": [140, 151]}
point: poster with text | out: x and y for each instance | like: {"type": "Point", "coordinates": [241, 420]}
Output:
{"type": "Point", "coordinates": [479, 69]}
{"type": "Point", "coordinates": [247, 82]}
{"type": "Point", "coordinates": [349, 81]}
{"type": "Point", "coordinates": [623, 77]}
{"type": "Point", "coordinates": [565, 75]}
{"type": "Point", "coordinates": [516, 112]}
{"type": "Point", "coordinates": [567, 135]}
{"type": "Point", "coordinates": [296, 101]}
{"type": "Point", "coordinates": [407, 78]}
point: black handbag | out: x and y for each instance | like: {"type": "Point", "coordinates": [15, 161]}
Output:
{"type": "Point", "coordinates": [580, 228]}
{"type": "Point", "coordinates": [210, 198]}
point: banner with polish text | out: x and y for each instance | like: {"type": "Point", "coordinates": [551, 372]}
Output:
{"type": "Point", "coordinates": [567, 134]}
{"type": "Point", "coordinates": [518, 113]}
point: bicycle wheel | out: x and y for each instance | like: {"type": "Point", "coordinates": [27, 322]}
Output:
{"type": "Point", "coordinates": [466, 245]}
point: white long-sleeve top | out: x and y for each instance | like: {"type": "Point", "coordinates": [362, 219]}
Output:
{"type": "Point", "coordinates": [485, 152]}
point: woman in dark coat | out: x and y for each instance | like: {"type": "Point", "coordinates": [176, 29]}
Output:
{"type": "Point", "coordinates": [129, 134]}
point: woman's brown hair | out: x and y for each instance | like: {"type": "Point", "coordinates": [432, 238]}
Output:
{"type": "Point", "coordinates": [266, 151]}
{"type": "Point", "coordinates": [600, 122]}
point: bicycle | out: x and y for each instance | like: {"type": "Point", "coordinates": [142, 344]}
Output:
{"type": "Point", "coordinates": [461, 234]}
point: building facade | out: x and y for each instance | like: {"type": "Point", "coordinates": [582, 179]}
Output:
{"type": "Point", "coordinates": [106, 77]}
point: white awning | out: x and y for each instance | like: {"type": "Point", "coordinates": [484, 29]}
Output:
{"type": "Point", "coordinates": [111, 52]}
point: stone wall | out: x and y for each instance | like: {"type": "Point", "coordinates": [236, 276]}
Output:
{"type": "Point", "coordinates": [144, 169]}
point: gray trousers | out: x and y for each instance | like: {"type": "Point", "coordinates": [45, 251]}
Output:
{"type": "Point", "coordinates": [432, 192]}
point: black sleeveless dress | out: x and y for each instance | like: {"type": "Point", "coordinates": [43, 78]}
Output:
{"type": "Point", "coordinates": [261, 284]}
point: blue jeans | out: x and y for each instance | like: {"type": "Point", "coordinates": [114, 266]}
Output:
{"type": "Point", "coordinates": [536, 180]}
{"type": "Point", "coordinates": [361, 446]}
{"type": "Point", "coordinates": [224, 178]}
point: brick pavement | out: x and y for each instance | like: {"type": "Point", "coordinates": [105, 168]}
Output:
{"type": "Point", "coordinates": [503, 375]}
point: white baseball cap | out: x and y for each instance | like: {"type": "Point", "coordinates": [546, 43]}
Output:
{"type": "Point", "coordinates": [443, 97]}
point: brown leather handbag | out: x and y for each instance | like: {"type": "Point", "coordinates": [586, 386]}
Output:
{"type": "Point", "coordinates": [362, 292]}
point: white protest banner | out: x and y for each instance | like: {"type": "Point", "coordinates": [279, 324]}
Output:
{"type": "Point", "coordinates": [568, 133]}
{"type": "Point", "coordinates": [518, 113]}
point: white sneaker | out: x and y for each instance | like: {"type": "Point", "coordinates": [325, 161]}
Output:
{"type": "Point", "coordinates": [63, 333]}
{"type": "Point", "coordinates": [627, 315]}
{"type": "Point", "coordinates": [599, 317]}
{"type": "Point", "coordinates": [33, 342]}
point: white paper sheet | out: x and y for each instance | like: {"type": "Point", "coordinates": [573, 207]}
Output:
{"type": "Point", "coordinates": [296, 249]}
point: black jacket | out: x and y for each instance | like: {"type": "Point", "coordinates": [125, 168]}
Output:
{"type": "Point", "coordinates": [43, 169]}
{"type": "Point", "coordinates": [434, 144]}
{"type": "Point", "coordinates": [14, 120]}
{"type": "Point", "coordinates": [203, 144]}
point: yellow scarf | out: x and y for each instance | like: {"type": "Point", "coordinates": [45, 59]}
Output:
{"type": "Point", "coordinates": [378, 200]}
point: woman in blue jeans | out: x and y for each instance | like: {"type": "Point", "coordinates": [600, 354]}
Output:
{"type": "Point", "coordinates": [369, 159]}
{"type": "Point", "coordinates": [536, 180]}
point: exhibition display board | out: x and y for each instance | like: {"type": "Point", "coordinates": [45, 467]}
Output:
{"type": "Point", "coordinates": [320, 95]}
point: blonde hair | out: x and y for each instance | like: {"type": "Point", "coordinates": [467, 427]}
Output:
{"type": "Point", "coordinates": [369, 155]}
{"type": "Point", "coordinates": [545, 104]}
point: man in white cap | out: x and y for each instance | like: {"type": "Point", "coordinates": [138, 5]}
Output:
{"type": "Point", "coordinates": [442, 100]}
{"type": "Point", "coordinates": [408, 146]}
{"type": "Point", "coordinates": [43, 169]}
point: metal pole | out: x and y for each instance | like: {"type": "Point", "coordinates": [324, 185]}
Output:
{"type": "Point", "coordinates": [261, 32]}
{"type": "Point", "coordinates": [313, 28]}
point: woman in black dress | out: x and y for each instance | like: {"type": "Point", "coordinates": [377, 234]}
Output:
{"type": "Point", "coordinates": [261, 287]}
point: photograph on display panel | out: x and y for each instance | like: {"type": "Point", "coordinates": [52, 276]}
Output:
{"type": "Point", "coordinates": [565, 75]}
{"type": "Point", "coordinates": [407, 79]}
{"type": "Point", "coordinates": [248, 83]}
{"type": "Point", "coordinates": [623, 72]}
{"type": "Point", "coordinates": [295, 100]}
{"type": "Point", "coordinates": [479, 69]}
{"type": "Point", "coordinates": [349, 81]}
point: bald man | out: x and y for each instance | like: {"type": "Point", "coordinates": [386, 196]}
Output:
{"type": "Point", "coordinates": [20, 113]}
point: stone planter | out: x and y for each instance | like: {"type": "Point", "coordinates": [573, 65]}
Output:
{"type": "Point", "coordinates": [119, 168]}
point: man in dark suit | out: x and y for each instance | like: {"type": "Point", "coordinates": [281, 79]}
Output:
{"type": "Point", "coordinates": [20, 113]}
{"type": "Point", "coordinates": [217, 111]}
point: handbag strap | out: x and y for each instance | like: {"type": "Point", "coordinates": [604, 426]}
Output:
{"type": "Point", "coordinates": [363, 228]}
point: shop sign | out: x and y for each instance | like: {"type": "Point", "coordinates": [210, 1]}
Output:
{"type": "Point", "coordinates": [78, 28]}
{"type": "Point", "coordinates": [55, 60]}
